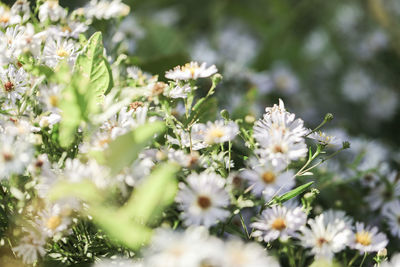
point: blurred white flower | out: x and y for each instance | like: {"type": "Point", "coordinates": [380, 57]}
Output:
{"type": "Point", "coordinates": [58, 49]}
{"type": "Point", "coordinates": [51, 10]}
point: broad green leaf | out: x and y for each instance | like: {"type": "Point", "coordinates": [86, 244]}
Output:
{"type": "Point", "coordinates": [156, 192]}
{"type": "Point", "coordinates": [84, 190]}
{"type": "Point", "coordinates": [94, 67]}
{"type": "Point", "coordinates": [124, 231]}
{"type": "Point", "coordinates": [125, 148]}
{"type": "Point", "coordinates": [293, 193]}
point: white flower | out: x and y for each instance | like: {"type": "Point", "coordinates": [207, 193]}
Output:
{"type": "Point", "coordinates": [11, 44]}
{"type": "Point", "coordinates": [239, 254]}
{"type": "Point", "coordinates": [15, 155]}
{"type": "Point", "coordinates": [54, 220]}
{"type": "Point", "coordinates": [178, 91]}
{"type": "Point", "coordinates": [8, 17]}
{"type": "Point", "coordinates": [191, 70]}
{"type": "Point", "coordinates": [21, 10]}
{"type": "Point", "coordinates": [31, 247]}
{"type": "Point", "coordinates": [50, 95]}
{"type": "Point", "coordinates": [219, 132]}
{"type": "Point", "coordinates": [325, 237]}
{"type": "Point", "coordinates": [194, 140]}
{"type": "Point", "coordinates": [391, 213]}
{"type": "Point", "coordinates": [280, 135]}
{"type": "Point", "coordinates": [192, 248]}
{"type": "Point", "coordinates": [367, 239]}
{"type": "Point", "coordinates": [70, 30]}
{"type": "Point", "coordinates": [324, 139]}
{"type": "Point", "coordinates": [385, 192]}
{"type": "Point", "coordinates": [279, 222]}
{"type": "Point", "coordinates": [357, 85]}
{"type": "Point", "coordinates": [203, 200]}
{"type": "Point", "coordinates": [75, 171]}
{"type": "Point", "coordinates": [268, 179]}
{"type": "Point", "coordinates": [59, 49]}
{"type": "Point", "coordinates": [284, 80]}
{"type": "Point", "coordinates": [13, 83]}
{"type": "Point", "coordinates": [49, 121]}
{"type": "Point", "coordinates": [51, 10]}
{"type": "Point", "coordinates": [394, 261]}
{"type": "Point", "coordinates": [102, 9]}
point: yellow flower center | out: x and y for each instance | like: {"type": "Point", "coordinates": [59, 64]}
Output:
{"type": "Point", "coordinates": [5, 18]}
{"type": "Point", "coordinates": [278, 224]}
{"type": "Point", "coordinates": [268, 177]}
{"type": "Point", "coordinates": [61, 52]}
{"type": "Point", "coordinates": [53, 101]}
{"type": "Point", "coordinates": [53, 222]}
{"type": "Point", "coordinates": [363, 238]}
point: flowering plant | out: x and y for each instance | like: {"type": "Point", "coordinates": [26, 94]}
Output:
{"type": "Point", "coordinates": [104, 164]}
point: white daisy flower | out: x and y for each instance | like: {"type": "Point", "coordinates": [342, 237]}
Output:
{"type": "Point", "coordinates": [279, 222]}
{"type": "Point", "coordinates": [32, 41]}
{"type": "Point", "coordinates": [103, 9]}
{"type": "Point", "coordinates": [76, 171]}
{"type": "Point", "coordinates": [192, 248]}
{"type": "Point", "coordinates": [394, 261]}
{"type": "Point", "coordinates": [324, 139]}
{"type": "Point", "coordinates": [31, 247]}
{"type": "Point", "coordinates": [384, 192]}
{"type": "Point", "coordinates": [13, 83]}
{"type": "Point", "coordinates": [267, 179]}
{"type": "Point", "coordinates": [391, 212]}
{"type": "Point", "coordinates": [178, 91]}
{"type": "Point", "coordinates": [15, 155]}
{"type": "Point", "coordinates": [280, 135]}
{"type": "Point", "coordinates": [194, 140]}
{"type": "Point", "coordinates": [203, 200]}
{"type": "Point", "coordinates": [367, 239]}
{"type": "Point", "coordinates": [11, 43]}
{"type": "Point", "coordinates": [54, 220]}
{"type": "Point", "coordinates": [191, 70]}
{"type": "Point", "coordinates": [325, 238]}
{"type": "Point", "coordinates": [21, 8]}
{"type": "Point", "coordinates": [239, 254]}
{"type": "Point", "coordinates": [357, 85]}
{"type": "Point", "coordinates": [59, 49]}
{"type": "Point", "coordinates": [51, 10]}
{"type": "Point", "coordinates": [8, 17]}
{"type": "Point", "coordinates": [50, 96]}
{"type": "Point", "coordinates": [72, 29]}
{"type": "Point", "coordinates": [219, 132]}
{"type": "Point", "coordinates": [284, 80]}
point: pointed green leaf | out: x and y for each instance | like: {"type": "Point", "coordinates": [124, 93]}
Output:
{"type": "Point", "coordinates": [293, 193]}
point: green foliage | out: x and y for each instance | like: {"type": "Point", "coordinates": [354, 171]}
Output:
{"type": "Point", "coordinates": [125, 148]}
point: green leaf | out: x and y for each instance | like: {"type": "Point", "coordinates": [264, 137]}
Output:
{"type": "Point", "coordinates": [94, 67]}
{"type": "Point", "coordinates": [84, 190]}
{"type": "Point", "coordinates": [126, 232]}
{"type": "Point", "coordinates": [125, 148]}
{"type": "Point", "coordinates": [293, 193]}
{"type": "Point", "coordinates": [153, 195]}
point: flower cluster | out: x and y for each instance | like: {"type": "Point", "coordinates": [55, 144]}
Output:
{"type": "Point", "coordinates": [106, 164]}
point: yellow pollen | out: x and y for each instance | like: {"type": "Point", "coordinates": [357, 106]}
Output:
{"type": "Point", "coordinates": [53, 101]}
{"type": "Point", "coordinates": [363, 238]}
{"type": "Point", "coordinates": [268, 177]}
{"type": "Point", "coordinates": [279, 224]}
{"type": "Point", "coordinates": [62, 53]}
{"type": "Point", "coordinates": [66, 29]}
{"type": "Point", "coordinates": [5, 18]}
{"type": "Point", "coordinates": [53, 222]}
